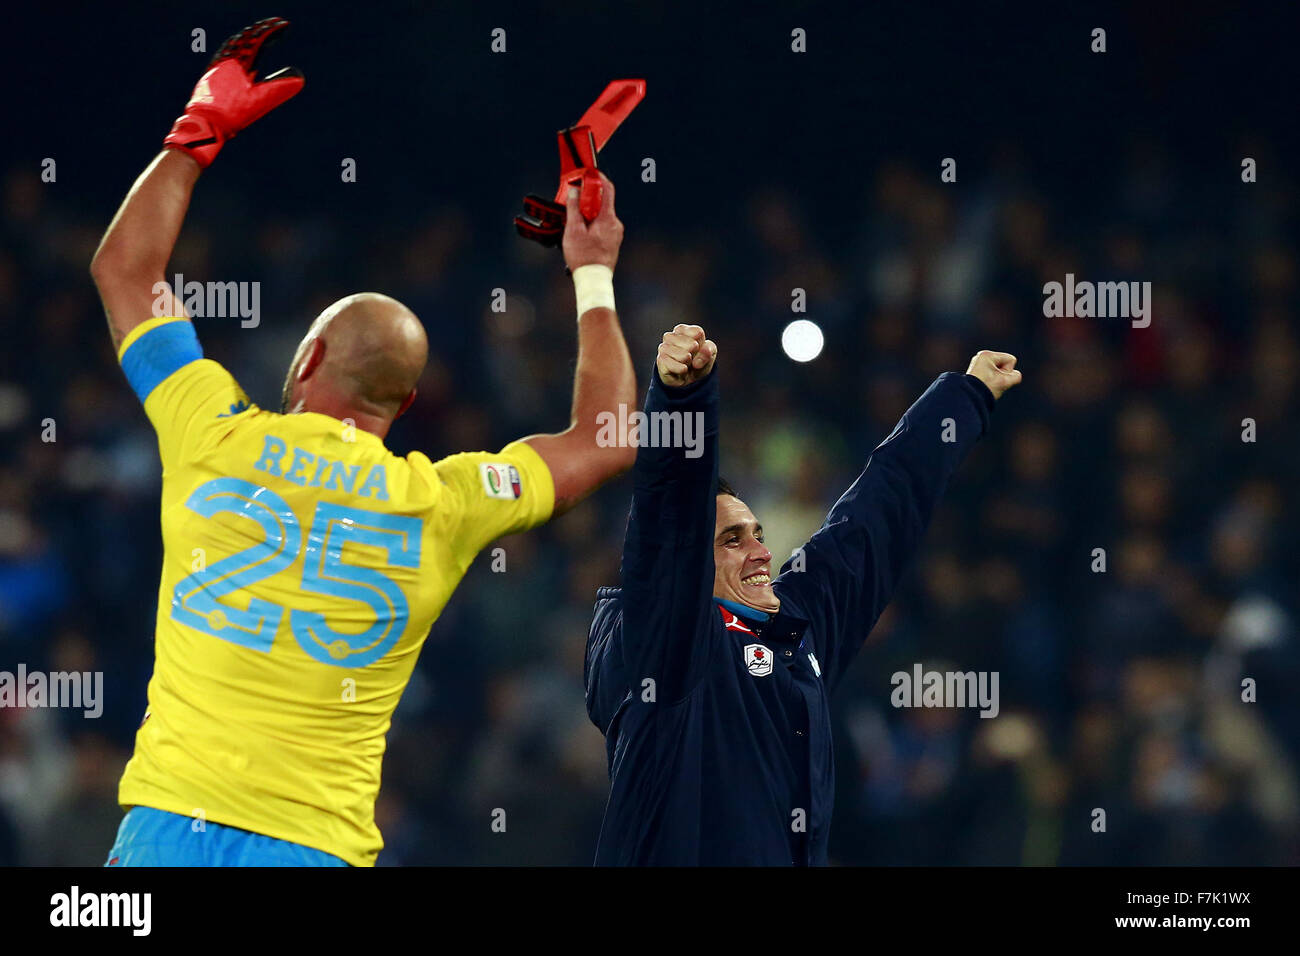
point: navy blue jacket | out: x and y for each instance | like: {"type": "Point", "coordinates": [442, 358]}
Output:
{"type": "Point", "coordinates": [717, 727]}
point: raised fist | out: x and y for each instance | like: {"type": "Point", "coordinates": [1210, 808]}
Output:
{"type": "Point", "coordinates": [997, 370]}
{"type": "Point", "coordinates": [685, 356]}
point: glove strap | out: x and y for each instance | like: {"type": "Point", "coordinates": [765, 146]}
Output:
{"type": "Point", "coordinates": [542, 221]}
{"type": "Point", "coordinates": [197, 136]}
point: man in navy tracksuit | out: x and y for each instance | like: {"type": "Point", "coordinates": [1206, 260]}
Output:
{"type": "Point", "coordinates": [709, 680]}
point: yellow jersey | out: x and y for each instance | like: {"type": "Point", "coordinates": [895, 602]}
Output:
{"type": "Point", "coordinates": [303, 565]}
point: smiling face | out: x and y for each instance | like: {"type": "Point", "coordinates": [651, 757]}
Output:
{"type": "Point", "coordinates": [742, 566]}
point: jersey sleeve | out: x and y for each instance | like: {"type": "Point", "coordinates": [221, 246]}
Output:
{"type": "Point", "coordinates": [494, 494]}
{"type": "Point", "coordinates": [185, 396]}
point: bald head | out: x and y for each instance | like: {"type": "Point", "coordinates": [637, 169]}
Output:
{"type": "Point", "coordinates": [361, 359]}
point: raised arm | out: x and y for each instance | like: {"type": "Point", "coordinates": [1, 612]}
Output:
{"type": "Point", "coordinates": [603, 382]}
{"type": "Point", "coordinates": [668, 548]}
{"type": "Point", "coordinates": [130, 264]}
{"type": "Point", "coordinates": [846, 574]}
{"type": "Point", "coordinates": [131, 260]}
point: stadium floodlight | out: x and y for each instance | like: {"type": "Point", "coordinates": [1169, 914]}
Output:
{"type": "Point", "coordinates": [802, 340]}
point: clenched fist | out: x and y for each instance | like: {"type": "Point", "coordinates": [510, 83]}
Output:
{"type": "Point", "coordinates": [997, 370]}
{"type": "Point", "coordinates": [595, 242]}
{"type": "Point", "coordinates": [685, 356]}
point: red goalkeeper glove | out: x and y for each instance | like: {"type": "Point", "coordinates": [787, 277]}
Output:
{"type": "Point", "coordinates": [229, 97]}
{"type": "Point", "coordinates": [543, 220]}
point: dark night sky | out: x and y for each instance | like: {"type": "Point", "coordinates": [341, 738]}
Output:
{"type": "Point", "coordinates": [414, 94]}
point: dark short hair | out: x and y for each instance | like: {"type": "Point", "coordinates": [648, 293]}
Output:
{"type": "Point", "coordinates": [723, 488]}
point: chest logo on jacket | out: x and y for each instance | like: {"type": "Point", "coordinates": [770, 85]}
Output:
{"type": "Point", "coordinates": [758, 659]}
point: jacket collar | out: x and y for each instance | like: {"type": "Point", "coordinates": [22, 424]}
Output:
{"type": "Point", "coordinates": [750, 614]}
{"type": "Point", "coordinates": [782, 626]}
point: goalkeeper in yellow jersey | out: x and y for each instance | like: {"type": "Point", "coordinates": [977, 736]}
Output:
{"type": "Point", "coordinates": [282, 652]}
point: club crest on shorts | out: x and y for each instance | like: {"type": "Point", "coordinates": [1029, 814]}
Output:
{"type": "Point", "coordinates": [758, 659]}
{"type": "Point", "coordinates": [501, 481]}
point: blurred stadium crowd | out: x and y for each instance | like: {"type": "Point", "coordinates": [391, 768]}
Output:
{"type": "Point", "coordinates": [1119, 690]}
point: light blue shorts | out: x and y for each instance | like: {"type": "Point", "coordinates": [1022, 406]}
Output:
{"type": "Point", "coordinates": [149, 837]}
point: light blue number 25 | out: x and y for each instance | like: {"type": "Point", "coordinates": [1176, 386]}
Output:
{"type": "Point", "coordinates": [195, 599]}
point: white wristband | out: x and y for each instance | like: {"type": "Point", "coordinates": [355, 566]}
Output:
{"type": "Point", "coordinates": [594, 287]}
